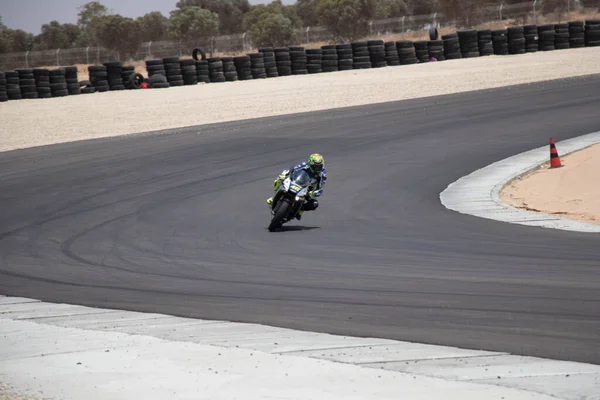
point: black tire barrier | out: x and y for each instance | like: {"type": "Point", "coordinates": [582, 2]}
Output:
{"type": "Point", "coordinates": [377, 53]}
{"type": "Point", "coordinates": [469, 46]}
{"type": "Point", "coordinates": [299, 60]}
{"type": "Point", "coordinates": [270, 62]}
{"type": "Point", "coordinates": [284, 63]}
{"type": "Point", "coordinates": [547, 36]}
{"type": "Point", "coordinates": [314, 61]}
{"type": "Point", "coordinates": [561, 39]}
{"type": "Point", "coordinates": [158, 81]}
{"type": "Point", "coordinates": [3, 88]}
{"type": "Point", "coordinates": [98, 77]}
{"type": "Point", "coordinates": [42, 83]}
{"type": "Point", "coordinates": [243, 65]}
{"type": "Point", "coordinates": [392, 58]}
{"type": "Point", "coordinates": [197, 51]}
{"type": "Point", "coordinates": [27, 84]}
{"type": "Point", "coordinates": [134, 81]}
{"type": "Point", "coordinates": [422, 50]}
{"type": "Point", "coordinates": [516, 40]}
{"type": "Point", "coordinates": [215, 70]}
{"type": "Point", "coordinates": [202, 71]}
{"type": "Point", "coordinates": [257, 65]}
{"type": "Point", "coordinates": [360, 55]}
{"type": "Point", "coordinates": [345, 57]}
{"type": "Point", "coordinates": [530, 32]}
{"type": "Point", "coordinates": [433, 33]}
{"type": "Point", "coordinates": [406, 52]}
{"type": "Point", "coordinates": [436, 50]}
{"type": "Point", "coordinates": [155, 67]}
{"type": "Point", "coordinates": [173, 71]}
{"type": "Point", "coordinates": [72, 79]}
{"type": "Point", "coordinates": [592, 33]}
{"type": "Point", "coordinates": [330, 58]}
{"type": "Point", "coordinates": [13, 90]}
{"type": "Point", "coordinates": [484, 42]}
{"type": "Point", "coordinates": [189, 73]}
{"type": "Point", "coordinates": [451, 46]}
{"type": "Point", "coordinates": [576, 34]}
{"type": "Point", "coordinates": [229, 69]}
{"type": "Point", "coordinates": [114, 71]}
{"type": "Point", "coordinates": [500, 42]}
{"type": "Point", "coordinates": [126, 73]}
{"type": "Point", "coordinates": [58, 82]}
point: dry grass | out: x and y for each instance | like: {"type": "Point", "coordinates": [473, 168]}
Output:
{"type": "Point", "coordinates": [140, 66]}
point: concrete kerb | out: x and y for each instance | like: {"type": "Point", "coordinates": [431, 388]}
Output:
{"type": "Point", "coordinates": [478, 193]}
{"type": "Point", "coordinates": [76, 352]}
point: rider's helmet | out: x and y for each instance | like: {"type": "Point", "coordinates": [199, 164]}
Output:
{"type": "Point", "coordinates": [316, 162]}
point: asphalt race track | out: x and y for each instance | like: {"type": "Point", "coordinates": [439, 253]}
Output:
{"type": "Point", "coordinates": [176, 224]}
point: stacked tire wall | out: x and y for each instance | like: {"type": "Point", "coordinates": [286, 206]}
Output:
{"type": "Point", "coordinates": [296, 60]}
{"type": "Point", "coordinates": [592, 33]}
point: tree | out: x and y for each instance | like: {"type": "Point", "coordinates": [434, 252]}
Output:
{"type": "Point", "coordinates": [230, 12]}
{"type": "Point", "coordinates": [346, 20]}
{"type": "Point", "coordinates": [57, 36]}
{"type": "Point", "coordinates": [4, 45]}
{"type": "Point", "coordinates": [307, 11]}
{"type": "Point", "coordinates": [17, 40]}
{"type": "Point", "coordinates": [89, 18]}
{"type": "Point", "coordinates": [154, 26]}
{"type": "Point", "coordinates": [121, 34]}
{"type": "Point", "coordinates": [272, 24]}
{"type": "Point", "coordinates": [390, 9]}
{"type": "Point", "coordinates": [191, 24]}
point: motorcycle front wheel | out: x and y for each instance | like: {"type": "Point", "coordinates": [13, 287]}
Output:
{"type": "Point", "coordinates": [280, 214]}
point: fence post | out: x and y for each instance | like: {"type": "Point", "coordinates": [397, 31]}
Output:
{"type": "Point", "coordinates": [568, 6]}
{"type": "Point", "coordinates": [149, 54]}
{"type": "Point", "coordinates": [244, 41]}
{"type": "Point", "coordinates": [87, 55]}
{"type": "Point", "coordinates": [307, 37]}
{"type": "Point", "coordinates": [98, 55]}
{"type": "Point", "coordinates": [500, 11]}
{"type": "Point", "coordinates": [27, 59]}
{"type": "Point", "coordinates": [212, 45]}
{"type": "Point", "coordinates": [57, 58]}
{"type": "Point", "coordinates": [370, 27]}
{"type": "Point", "coordinates": [534, 12]}
{"type": "Point", "coordinates": [434, 16]}
{"type": "Point", "coordinates": [403, 17]}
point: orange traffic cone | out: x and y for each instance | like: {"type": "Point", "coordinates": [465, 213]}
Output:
{"type": "Point", "coordinates": [554, 158]}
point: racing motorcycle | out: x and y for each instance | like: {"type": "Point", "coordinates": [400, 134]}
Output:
{"type": "Point", "coordinates": [289, 198]}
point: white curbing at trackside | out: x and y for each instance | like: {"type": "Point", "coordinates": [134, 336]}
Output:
{"type": "Point", "coordinates": [76, 352]}
{"type": "Point", "coordinates": [478, 193]}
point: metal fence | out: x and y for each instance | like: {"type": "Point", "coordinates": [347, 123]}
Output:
{"type": "Point", "coordinates": [521, 13]}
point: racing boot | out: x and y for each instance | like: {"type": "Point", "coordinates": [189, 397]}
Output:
{"type": "Point", "coordinates": [270, 200]}
{"type": "Point", "coordinates": [299, 215]}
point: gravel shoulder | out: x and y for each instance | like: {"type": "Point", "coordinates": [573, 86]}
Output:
{"type": "Point", "coordinates": [570, 191]}
{"type": "Point", "coordinates": [30, 123]}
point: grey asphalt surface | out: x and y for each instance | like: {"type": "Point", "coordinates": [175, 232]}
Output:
{"type": "Point", "coordinates": [176, 223]}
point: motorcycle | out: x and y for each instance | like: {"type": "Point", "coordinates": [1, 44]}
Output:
{"type": "Point", "coordinates": [289, 198]}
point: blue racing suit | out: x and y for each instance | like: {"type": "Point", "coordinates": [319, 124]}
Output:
{"type": "Point", "coordinates": [318, 181]}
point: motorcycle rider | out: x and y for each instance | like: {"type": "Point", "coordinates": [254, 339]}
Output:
{"type": "Point", "coordinates": [315, 167]}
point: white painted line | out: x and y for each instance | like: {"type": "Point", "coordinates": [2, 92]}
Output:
{"type": "Point", "coordinates": [75, 352]}
{"type": "Point", "coordinates": [478, 193]}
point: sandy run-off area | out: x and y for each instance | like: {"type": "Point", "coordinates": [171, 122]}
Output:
{"type": "Point", "coordinates": [571, 191]}
{"type": "Point", "coordinates": [36, 122]}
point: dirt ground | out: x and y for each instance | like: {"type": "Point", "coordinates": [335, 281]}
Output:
{"type": "Point", "coordinates": [571, 191]}
{"type": "Point", "coordinates": [36, 122]}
